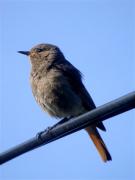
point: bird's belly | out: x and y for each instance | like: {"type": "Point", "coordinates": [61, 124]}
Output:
{"type": "Point", "coordinates": [57, 98]}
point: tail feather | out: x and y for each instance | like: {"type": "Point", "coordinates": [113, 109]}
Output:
{"type": "Point", "coordinates": [99, 143]}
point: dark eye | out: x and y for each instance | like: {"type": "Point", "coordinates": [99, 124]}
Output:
{"type": "Point", "coordinates": [39, 50]}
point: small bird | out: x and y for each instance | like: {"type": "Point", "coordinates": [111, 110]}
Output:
{"type": "Point", "coordinates": [58, 88]}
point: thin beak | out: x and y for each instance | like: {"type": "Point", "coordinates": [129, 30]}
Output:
{"type": "Point", "coordinates": [27, 53]}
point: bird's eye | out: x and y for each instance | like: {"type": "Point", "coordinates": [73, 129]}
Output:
{"type": "Point", "coordinates": [39, 50]}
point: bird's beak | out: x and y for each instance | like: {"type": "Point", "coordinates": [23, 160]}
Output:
{"type": "Point", "coordinates": [27, 53]}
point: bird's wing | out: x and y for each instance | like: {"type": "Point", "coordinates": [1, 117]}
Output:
{"type": "Point", "coordinates": [74, 77]}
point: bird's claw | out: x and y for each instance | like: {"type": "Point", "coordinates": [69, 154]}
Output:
{"type": "Point", "coordinates": [39, 134]}
{"type": "Point", "coordinates": [47, 130]}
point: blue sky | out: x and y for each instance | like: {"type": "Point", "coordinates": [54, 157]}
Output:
{"type": "Point", "coordinates": [97, 36]}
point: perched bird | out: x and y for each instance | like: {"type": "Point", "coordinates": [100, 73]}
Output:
{"type": "Point", "coordinates": [58, 88]}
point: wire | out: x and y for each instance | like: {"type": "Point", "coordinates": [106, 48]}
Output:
{"type": "Point", "coordinates": [101, 113]}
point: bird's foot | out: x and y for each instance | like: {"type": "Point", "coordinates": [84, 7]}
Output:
{"type": "Point", "coordinates": [47, 130]}
{"type": "Point", "coordinates": [39, 134]}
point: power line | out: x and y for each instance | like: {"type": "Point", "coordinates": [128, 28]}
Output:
{"type": "Point", "coordinates": [101, 113]}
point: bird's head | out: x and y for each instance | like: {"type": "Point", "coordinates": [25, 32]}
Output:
{"type": "Point", "coordinates": [43, 54]}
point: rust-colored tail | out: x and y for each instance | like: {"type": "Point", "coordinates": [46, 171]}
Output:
{"type": "Point", "coordinates": [99, 143]}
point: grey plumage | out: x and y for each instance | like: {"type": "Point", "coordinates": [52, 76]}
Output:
{"type": "Point", "coordinates": [57, 87]}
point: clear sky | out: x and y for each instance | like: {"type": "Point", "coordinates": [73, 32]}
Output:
{"type": "Point", "coordinates": [97, 36]}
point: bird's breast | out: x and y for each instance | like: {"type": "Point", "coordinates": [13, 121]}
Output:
{"type": "Point", "coordinates": [55, 95]}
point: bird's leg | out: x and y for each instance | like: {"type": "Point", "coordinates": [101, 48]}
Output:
{"type": "Point", "coordinates": [61, 122]}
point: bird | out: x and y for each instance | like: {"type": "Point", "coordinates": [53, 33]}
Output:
{"type": "Point", "coordinates": [58, 88]}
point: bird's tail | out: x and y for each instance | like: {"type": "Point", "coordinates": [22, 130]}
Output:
{"type": "Point", "coordinates": [99, 143]}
